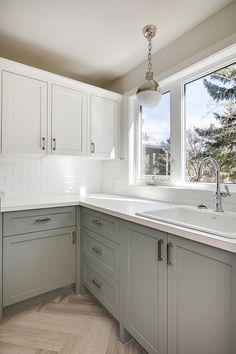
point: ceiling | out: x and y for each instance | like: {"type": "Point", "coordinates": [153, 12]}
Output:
{"type": "Point", "coordinates": [95, 41]}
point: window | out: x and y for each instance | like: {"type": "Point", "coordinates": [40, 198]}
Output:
{"type": "Point", "coordinates": [155, 140]}
{"type": "Point", "coordinates": [210, 118]}
{"type": "Point", "coordinates": [195, 118]}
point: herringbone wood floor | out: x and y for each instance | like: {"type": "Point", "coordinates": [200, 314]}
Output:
{"type": "Point", "coordinates": [69, 324]}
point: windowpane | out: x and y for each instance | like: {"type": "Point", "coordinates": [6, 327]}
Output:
{"type": "Point", "coordinates": [155, 136]}
{"type": "Point", "coordinates": [211, 124]}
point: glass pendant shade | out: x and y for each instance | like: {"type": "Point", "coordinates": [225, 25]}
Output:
{"type": "Point", "coordinates": [149, 93]}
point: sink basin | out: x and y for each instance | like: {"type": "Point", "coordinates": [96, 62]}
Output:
{"type": "Point", "coordinates": [222, 224]}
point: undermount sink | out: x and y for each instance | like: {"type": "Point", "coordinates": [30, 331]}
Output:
{"type": "Point", "coordinates": [221, 224]}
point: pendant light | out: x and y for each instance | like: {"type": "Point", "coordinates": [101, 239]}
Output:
{"type": "Point", "coordinates": [149, 93]}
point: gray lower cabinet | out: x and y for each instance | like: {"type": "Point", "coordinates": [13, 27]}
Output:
{"type": "Point", "coordinates": [102, 286]}
{"type": "Point", "coordinates": [201, 299]}
{"type": "Point", "coordinates": [145, 284]}
{"type": "Point", "coordinates": [179, 295]}
{"type": "Point", "coordinates": [38, 262]}
{"type": "Point", "coordinates": [101, 259]}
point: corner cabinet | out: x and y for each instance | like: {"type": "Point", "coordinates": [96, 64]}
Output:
{"type": "Point", "coordinates": [104, 127]}
{"type": "Point", "coordinates": [43, 113]}
{"type": "Point", "coordinates": [179, 295]}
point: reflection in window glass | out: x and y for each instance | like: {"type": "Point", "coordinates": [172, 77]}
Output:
{"type": "Point", "coordinates": [211, 124]}
{"type": "Point", "coordinates": [155, 131]}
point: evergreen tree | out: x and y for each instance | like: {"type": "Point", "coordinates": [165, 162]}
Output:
{"type": "Point", "coordinates": [218, 140]}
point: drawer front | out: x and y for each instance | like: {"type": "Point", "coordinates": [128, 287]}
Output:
{"type": "Point", "coordinates": [36, 263]}
{"type": "Point", "coordinates": [103, 224]}
{"type": "Point", "coordinates": [104, 253]}
{"type": "Point", "coordinates": [20, 222]}
{"type": "Point", "coordinates": [104, 288]}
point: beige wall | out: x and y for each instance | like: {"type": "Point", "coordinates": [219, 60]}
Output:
{"type": "Point", "coordinates": [214, 34]}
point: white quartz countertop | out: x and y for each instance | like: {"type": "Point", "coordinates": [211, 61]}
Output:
{"type": "Point", "coordinates": [17, 204]}
{"type": "Point", "coordinates": [122, 207]}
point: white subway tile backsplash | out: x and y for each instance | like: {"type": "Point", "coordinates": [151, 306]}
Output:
{"type": "Point", "coordinates": [22, 175]}
{"type": "Point", "coordinates": [115, 180]}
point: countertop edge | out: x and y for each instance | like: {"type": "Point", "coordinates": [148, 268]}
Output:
{"type": "Point", "coordinates": [205, 238]}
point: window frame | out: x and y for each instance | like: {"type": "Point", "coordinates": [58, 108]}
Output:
{"type": "Point", "coordinates": [140, 177]}
{"type": "Point", "coordinates": [174, 84]}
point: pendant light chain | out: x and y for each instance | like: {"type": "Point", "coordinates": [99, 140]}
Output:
{"type": "Point", "coordinates": [149, 93]}
{"type": "Point", "coordinates": [149, 55]}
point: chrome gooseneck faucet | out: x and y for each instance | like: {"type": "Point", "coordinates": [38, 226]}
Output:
{"type": "Point", "coordinates": [218, 193]}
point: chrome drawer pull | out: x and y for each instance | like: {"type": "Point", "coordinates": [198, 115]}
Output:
{"type": "Point", "coordinates": [161, 258]}
{"type": "Point", "coordinates": [43, 219]}
{"type": "Point", "coordinates": [170, 260]}
{"type": "Point", "coordinates": [97, 250]}
{"type": "Point", "coordinates": [97, 222]}
{"type": "Point", "coordinates": [97, 283]}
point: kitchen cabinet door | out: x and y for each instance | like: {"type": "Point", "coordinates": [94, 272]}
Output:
{"type": "Point", "coordinates": [145, 295]}
{"type": "Point", "coordinates": [37, 263]}
{"type": "Point", "coordinates": [103, 128]}
{"type": "Point", "coordinates": [69, 113]}
{"type": "Point", "coordinates": [201, 298]}
{"type": "Point", "coordinates": [24, 114]}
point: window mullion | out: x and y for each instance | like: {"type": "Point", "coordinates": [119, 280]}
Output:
{"type": "Point", "coordinates": [177, 133]}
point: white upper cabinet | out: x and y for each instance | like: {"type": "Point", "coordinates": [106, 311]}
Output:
{"type": "Point", "coordinates": [44, 113]}
{"type": "Point", "coordinates": [69, 111]}
{"type": "Point", "coordinates": [24, 114]}
{"type": "Point", "coordinates": [104, 115]}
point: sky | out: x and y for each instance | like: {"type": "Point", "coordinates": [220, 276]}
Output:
{"type": "Point", "coordinates": [156, 120]}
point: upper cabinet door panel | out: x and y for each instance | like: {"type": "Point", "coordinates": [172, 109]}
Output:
{"type": "Point", "coordinates": [69, 110]}
{"type": "Point", "coordinates": [24, 114]}
{"type": "Point", "coordinates": [104, 127]}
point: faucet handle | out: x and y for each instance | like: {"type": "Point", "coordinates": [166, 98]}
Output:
{"type": "Point", "coordinates": [227, 191]}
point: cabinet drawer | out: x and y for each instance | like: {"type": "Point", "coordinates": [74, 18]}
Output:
{"type": "Point", "coordinates": [20, 222]}
{"type": "Point", "coordinates": [103, 224]}
{"type": "Point", "coordinates": [103, 287]}
{"type": "Point", "coordinates": [104, 253]}
{"type": "Point", "coordinates": [36, 263]}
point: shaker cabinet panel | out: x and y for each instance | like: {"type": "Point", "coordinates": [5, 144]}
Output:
{"type": "Point", "coordinates": [36, 263]}
{"type": "Point", "coordinates": [103, 127]}
{"type": "Point", "coordinates": [145, 296]}
{"type": "Point", "coordinates": [69, 111]}
{"type": "Point", "coordinates": [24, 114]}
{"type": "Point", "coordinates": [201, 299]}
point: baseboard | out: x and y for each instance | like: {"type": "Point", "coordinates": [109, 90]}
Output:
{"type": "Point", "coordinates": [11, 309]}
